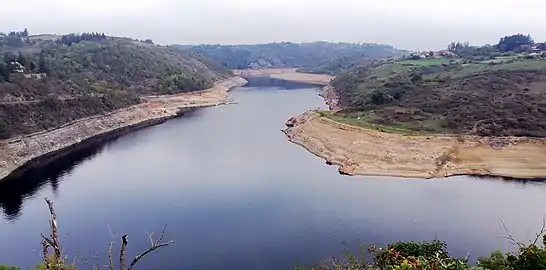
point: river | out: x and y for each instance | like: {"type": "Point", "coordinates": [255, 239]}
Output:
{"type": "Point", "coordinates": [235, 194]}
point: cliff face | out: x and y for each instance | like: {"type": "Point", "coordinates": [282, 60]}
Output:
{"type": "Point", "coordinates": [16, 152]}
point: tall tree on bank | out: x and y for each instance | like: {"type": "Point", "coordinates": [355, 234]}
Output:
{"type": "Point", "coordinates": [42, 66]}
{"type": "Point", "coordinates": [510, 43]}
{"type": "Point", "coordinates": [22, 60]}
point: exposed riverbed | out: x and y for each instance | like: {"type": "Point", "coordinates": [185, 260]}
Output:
{"type": "Point", "coordinates": [237, 195]}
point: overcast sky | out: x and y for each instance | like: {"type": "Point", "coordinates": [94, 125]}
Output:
{"type": "Point", "coordinates": [410, 24]}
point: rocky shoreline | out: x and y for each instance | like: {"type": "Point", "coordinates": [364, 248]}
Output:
{"type": "Point", "coordinates": [360, 151]}
{"type": "Point", "coordinates": [22, 152]}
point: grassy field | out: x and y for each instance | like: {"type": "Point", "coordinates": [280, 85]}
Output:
{"type": "Point", "coordinates": [364, 122]}
{"type": "Point", "coordinates": [391, 69]}
{"type": "Point", "coordinates": [470, 69]}
{"type": "Point", "coordinates": [425, 62]}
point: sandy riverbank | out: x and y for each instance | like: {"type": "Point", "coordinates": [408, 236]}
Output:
{"type": "Point", "coordinates": [368, 152]}
{"type": "Point", "coordinates": [20, 151]}
{"type": "Point", "coordinates": [287, 74]}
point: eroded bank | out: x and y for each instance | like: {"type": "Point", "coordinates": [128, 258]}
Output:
{"type": "Point", "coordinates": [21, 151]}
{"type": "Point", "coordinates": [369, 152]}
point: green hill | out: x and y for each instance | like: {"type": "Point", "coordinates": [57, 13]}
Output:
{"type": "Point", "coordinates": [489, 99]}
{"type": "Point", "coordinates": [316, 57]}
{"type": "Point", "coordinates": [47, 82]}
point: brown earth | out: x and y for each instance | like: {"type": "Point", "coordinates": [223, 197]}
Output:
{"type": "Point", "coordinates": [368, 152]}
{"type": "Point", "coordinates": [18, 151]}
{"type": "Point", "coordinates": [287, 74]}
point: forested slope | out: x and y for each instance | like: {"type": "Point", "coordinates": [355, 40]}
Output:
{"type": "Point", "coordinates": [46, 81]}
{"type": "Point", "coordinates": [316, 57]}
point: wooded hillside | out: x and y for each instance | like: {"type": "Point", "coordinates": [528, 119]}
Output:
{"type": "Point", "coordinates": [316, 57]}
{"type": "Point", "coordinates": [46, 81]}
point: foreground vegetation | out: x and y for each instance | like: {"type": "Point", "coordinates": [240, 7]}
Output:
{"type": "Point", "coordinates": [487, 91]}
{"type": "Point", "coordinates": [47, 81]}
{"type": "Point", "coordinates": [315, 57]}
{"type": "Point", "coordinates": [433, 255]}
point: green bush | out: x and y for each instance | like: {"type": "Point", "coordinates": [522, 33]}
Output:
{"type": "Point", "coordinates": [433, 255]}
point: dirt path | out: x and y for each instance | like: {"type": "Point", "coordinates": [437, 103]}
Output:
{"type": "Point", "coordinates": [368, 152]}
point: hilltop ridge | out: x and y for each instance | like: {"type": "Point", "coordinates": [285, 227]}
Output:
{"type": "Point", "coordinates": [314, 57]}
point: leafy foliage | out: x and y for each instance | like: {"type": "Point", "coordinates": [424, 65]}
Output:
{"type": "Point", "coordinates": [510, 43]}
{"type": "Point", "coordinates": [432, 255]}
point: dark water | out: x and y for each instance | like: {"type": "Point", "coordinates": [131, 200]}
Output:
{"type": "Point", "coordinates": [236, 195]}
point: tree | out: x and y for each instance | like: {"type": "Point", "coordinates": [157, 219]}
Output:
{"type": "Point", "coordinates": [42, 65]}
{"type": "Point", "coordinates": [510, 43]}
{"type": "Point", "coordinates": [9, 57]}
{"type": "Point", "coordinates": [22, 59]}
{"type": "Point", "coordinates": [32, 66]}
{"type": "Point", "coordinates": [76, 38]}
{"type": "Point", "coordinates": [4, 73]}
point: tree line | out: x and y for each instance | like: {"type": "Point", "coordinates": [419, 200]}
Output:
{"type": "Point", "coordinates": [14, 38]}
{"type": "Point", "coordinates": [76, 38]}
{"type": "Point", "coordinates": [514, 43]}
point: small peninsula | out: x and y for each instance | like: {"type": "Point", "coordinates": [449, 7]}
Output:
{"type": "Point", "coordinates": [461, 111]}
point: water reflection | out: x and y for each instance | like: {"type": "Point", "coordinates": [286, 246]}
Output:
{"type": "Point", "coordinates": [26, 182]}
{"type": "Point", "coordinates": [236, 195]}
{"type": "Point", "coordinates": [265, 81]}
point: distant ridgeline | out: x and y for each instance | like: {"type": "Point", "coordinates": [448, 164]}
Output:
{"type": "Point", "coordinates": [49, 80]}
{"type": "Point", "coordinates": [490, 90]}
{"type": "Point", "coordinates": [315, 57]}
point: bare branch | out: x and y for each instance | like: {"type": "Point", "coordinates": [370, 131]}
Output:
{"type": "Point", "coordinates": [541, 232]}
{"type": "Point", "coordinates": [124, 243]}
{"type": "Point", "coordinates": [139, 256]}
{"type": "Point", "coordinates": [162, 234]}
{"type": "Point", "coordinates": [513, 240]}
{"type": "Point", "coordinates": [54, 233]}
{"type": "Point", "coordinates": [111, 232]}
{"type": "Point", "coordinates": [45, 247]}
{"type": "Point", "coordinates": [150, 236]}
{"type": "Point", "coordinates": [110, 260]}
{"type": "Point", "coordinates": [48, 241]}
{"type": "Point", "coordinates": [154, 245]}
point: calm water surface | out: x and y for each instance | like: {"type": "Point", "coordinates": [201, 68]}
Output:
{"type": "Point", "coordinates": [236, 195]}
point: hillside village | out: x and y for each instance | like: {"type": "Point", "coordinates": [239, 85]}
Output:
{"type": "Point", "coordinates": [513, 47]}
